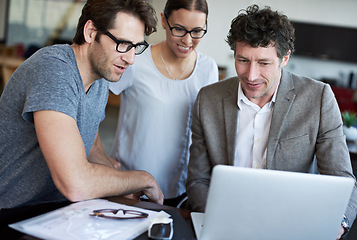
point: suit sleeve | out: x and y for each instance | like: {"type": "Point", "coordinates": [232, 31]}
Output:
{"type": "Point", "coordinates": [199, 167]}
{"type": "Point", "coordinates": [332, 153]}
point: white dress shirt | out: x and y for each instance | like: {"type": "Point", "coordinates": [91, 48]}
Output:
{"type": "Point", "coordinates": [252, 131]}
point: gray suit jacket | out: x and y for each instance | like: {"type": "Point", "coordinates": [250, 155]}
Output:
{"type": "Point", "coordinates": [306, 122]}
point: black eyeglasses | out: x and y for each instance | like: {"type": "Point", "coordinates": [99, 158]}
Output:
{"type": "Point", "coordinates": [119, 214]}
{"type": "Point", "coordinates": [196, 33]}
{"type": "Point", "coordinates": [125, 46]}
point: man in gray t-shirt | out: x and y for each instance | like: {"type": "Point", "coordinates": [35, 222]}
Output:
{"type": "Point", "coordinates": [53, 104]}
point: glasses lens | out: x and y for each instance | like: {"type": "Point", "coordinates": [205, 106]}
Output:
{"type": "Point", "coordinates": [179, 32]}
{"type": "Point", "coordinates": [140, 49]}
{"type": "Point", "coordinates": [133, 213]}
{"type": "Point", "coordinates": [124, 47]}
{"type": "Point", "coordinates": [198, 33]}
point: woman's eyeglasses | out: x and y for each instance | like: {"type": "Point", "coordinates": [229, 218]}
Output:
{"type": "Point", "coordinates": [196, 33]}
{"type": "Point", "coordinates": [119, 214]}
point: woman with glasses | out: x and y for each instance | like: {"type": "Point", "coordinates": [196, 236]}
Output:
{"type": "Point", "coordinates": [157, 95]}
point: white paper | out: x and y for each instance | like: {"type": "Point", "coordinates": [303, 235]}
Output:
{"type": "Point", "coordinates": [74, 222]}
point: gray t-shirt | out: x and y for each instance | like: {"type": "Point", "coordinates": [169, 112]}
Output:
{"type": "Point", "coordinates": [48, 80]}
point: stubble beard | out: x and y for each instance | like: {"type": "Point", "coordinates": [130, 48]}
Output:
{"type": "Point", "coordinates": [269, 87]}
{"type": "Point", "coordinates": [99, 69]}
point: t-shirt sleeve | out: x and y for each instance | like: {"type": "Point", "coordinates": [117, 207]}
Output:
{"type": "Point", "coordinates": [54, 86]}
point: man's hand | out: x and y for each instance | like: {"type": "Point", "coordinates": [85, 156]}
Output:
{"type": "Point", "coordinates": [154, 192]}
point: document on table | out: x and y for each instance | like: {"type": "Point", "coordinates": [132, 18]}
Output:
{"type": "Point", "coordinates": [74, 222]}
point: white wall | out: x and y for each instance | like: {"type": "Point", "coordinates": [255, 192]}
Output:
{"type": "Point", "coordinates": [160, 34]}
{"type": "Point", "coordinates": [330, 12]}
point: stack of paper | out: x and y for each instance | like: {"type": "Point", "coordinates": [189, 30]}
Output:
{"type": "Point", "coordinates": [74, 222]}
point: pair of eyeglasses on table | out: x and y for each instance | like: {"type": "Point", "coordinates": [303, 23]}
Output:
{"type": "Point", "coordinates": [119, 214]}
{"type": "Point", "coordinates": [160, 228]}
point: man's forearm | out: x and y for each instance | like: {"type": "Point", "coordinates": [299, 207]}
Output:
{"type": "Point", "coordinates": [97, 181]}
{"type": "Point", "coordinates": [74, 176]}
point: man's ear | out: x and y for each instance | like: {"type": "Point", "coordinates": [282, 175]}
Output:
{"type": "Point", "coordinates": [89, 31]}
{"type": "Point", "coordinates": [285, 59]}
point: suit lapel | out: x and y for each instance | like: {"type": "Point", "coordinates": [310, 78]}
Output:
{"type": "Point", "coordinates": [230, 111]}
{"type": "Point", "coordinates": [284, 100]}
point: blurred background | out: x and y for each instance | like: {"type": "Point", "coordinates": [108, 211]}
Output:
{"type": "Point", "coordinates": [326, 36]}
{"type": "Point", "coordinates": [326, 32]}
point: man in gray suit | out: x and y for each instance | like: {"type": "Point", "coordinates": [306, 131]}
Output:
{"type": "Point", "coordinates": [266, 117]}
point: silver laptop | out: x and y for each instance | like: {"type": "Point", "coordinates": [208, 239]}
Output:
{"type": "Point", "coordinates": [245, 203]}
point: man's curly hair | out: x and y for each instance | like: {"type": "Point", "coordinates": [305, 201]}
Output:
{"type": "Point", "coordinates": [262, 28]}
